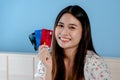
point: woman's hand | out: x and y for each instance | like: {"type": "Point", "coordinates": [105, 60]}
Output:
{"type": "Point", "coordinates": [45, 56]}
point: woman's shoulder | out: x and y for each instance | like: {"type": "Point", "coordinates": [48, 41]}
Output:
{"type": "Point", "coordinates": [93, 57]}
{"type": "Point", "coordinates": [91, 54]}
{"type": "Point", "coordinates": [95, 67]}
{"type": "Point", "coordinates": [94, 60]}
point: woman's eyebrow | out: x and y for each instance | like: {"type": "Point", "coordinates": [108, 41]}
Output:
{"type": "Point", "coordinates": [73, 24]}
{"type": "Point", "coordinates": [69, 24]}
{"type": "Point", "coordinates": [60, 23]}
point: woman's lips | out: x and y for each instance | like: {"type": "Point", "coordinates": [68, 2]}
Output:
{"type": "Point", "coordinates": [64, 39]}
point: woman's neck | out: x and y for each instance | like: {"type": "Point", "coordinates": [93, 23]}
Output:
{"type": "Point", "coordinates": [68, 61]}
{"type": "Point", "coordinates": [70, 54]}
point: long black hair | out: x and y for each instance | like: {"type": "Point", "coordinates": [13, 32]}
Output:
{"type": "Point", "coordinates": [58, 69]}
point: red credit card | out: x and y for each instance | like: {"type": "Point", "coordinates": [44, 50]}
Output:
{"type": "Point", "coordinates": [46, 37]}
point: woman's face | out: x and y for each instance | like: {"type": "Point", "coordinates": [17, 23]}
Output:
{"type": "Point", "coordinates": [68, 31]}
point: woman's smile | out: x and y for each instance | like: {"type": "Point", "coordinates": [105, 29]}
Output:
{"type": "Point", "coordinates": [64, 39]}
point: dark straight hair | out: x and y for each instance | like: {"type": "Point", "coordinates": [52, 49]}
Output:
{"type": "Point", "coordinates": [58, 69]}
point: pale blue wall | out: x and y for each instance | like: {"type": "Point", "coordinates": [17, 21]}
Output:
{"type": "Point", "coordinates": [19, 18]}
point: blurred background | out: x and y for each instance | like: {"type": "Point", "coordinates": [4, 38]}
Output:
{"type": "Point", "coordinates": [19, 18]}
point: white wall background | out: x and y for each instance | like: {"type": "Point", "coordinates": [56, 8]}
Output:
{"type": "Point", "coordinates": [22, 66]}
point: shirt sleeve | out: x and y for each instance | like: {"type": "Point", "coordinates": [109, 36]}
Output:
{"type": "Point", "coordinates": [96, 69]}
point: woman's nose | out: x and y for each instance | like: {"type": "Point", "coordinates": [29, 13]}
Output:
{"type": "Point", "coordinates": [65, 32]}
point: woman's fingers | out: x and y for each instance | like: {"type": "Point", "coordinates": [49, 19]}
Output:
{"type": "Point", "coordinates": [43, 46]}
{"type": "Point", "coordinates": [42, 50]}
{"type": "Point", "coordinates": [44, 55]}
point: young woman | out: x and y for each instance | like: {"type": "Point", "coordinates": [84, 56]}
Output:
{"type": "Point", "coordinates": [73, 55]}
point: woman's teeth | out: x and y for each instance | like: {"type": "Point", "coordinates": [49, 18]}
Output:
{"type": "Point", "coordinates": [64, 39]}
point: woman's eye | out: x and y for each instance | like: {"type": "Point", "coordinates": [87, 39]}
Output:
{"type": "Point", "coordinates": [60, 26]}
{"type": "Point", "coordinates": [72, 27]}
